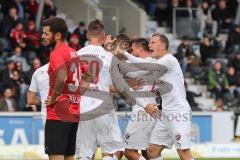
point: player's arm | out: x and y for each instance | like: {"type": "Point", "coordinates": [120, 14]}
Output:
{"type": "Point", "coordinates": [32, 98]}
{"type": "Point", "coordinates": [144, 64]}
{"type": "Point", "coordinates": [59, 67]}
{"type": "Point", "coordinates": [59, 83]}
{"type": "Point", "coordinates": [120, 84]}
{"type": "Point", "coordinates": [134, 83]}
{"type": "Point", "coordinates": [87, 79]}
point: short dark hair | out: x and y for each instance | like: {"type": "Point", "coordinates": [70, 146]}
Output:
{"type": "Point", "coordinates": [123, 41]}
{"type": "Point", "coordinates": [95, 27]}
{"type": "Point", "coordinates": [81, 23]}
{"type": "Point", "coordinates": [57, 24]}
{"type": "Point", "coordinates": [142, 42]}
{"type": "Point", "coordinates": [162, 38]}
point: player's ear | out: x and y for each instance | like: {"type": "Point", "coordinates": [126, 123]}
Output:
{"type": "Point", "coordinates": [163, 46]}
{"type": "Point", "coordinates": [88, 35]}
{"type": "Point", "coordinates": [58, 36]}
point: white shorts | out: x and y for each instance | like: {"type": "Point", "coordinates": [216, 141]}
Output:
{"type": "Point", "coordinates": [138, 132]}
{"type": "Point", "coordinates": [173, 128]}
{"type": "Point", "coordinates": [103, 131]}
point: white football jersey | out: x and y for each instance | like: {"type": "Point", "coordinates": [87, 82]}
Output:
{"type": "Point", "coordinates": [40, 83]}
{"type": "Point", "coordinates": [175, 100]}
{"type": "Point", "coordinates": [103, 80]}
{"type": "Point", "coordinates": [149, 87]}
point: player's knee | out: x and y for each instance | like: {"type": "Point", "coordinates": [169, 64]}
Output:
{"type": "Point", "coordinates": [127, 152]}
{"type": "Point", "coordinates": [153, 153]}
{"type": "Point", "coordinates": [118, 155]}
{"type": "Point", "coordinates": [185, 154]}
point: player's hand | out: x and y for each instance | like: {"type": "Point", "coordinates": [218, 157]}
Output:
{"type": "Point", "coordinates": [109, 43]}
{"type": "Point", "coordinates": [135, 83]}
{"type": "Point", "coordinates": [49, 101]}
{"type": "Point", "coordinates": [153, 110]}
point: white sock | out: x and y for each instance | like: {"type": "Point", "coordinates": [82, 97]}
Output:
{"type": "Point", "coordinates": [141, 158]}
{"type": "Point", "coordinates": [158, 158]}
{"type": "Point", "coordinates": [115, 157]}
{"type": "Point", "coordinates": [107, 158]}
{"type": "Point", "coordinates": [84, 158]}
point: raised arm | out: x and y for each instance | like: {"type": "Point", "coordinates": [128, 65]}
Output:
{"type": "Point", "coordinates": [120, 84]}
{"type": "Point", "coordinates": [149, 64]}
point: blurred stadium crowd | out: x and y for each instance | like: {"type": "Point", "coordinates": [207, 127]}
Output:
{"type": "Point", "coordinates": [217, 66]}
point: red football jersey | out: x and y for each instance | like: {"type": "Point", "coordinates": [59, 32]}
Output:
{"type": "Point", "coordinates": [67, 106]}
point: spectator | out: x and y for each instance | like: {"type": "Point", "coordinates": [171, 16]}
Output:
{"type": "Point", "coordinates": [32, 7]}
{"type": "Point", "coordinates": [191, 99]}
{"type": "Point", "coordinates": [159, 11]}
{"type": "Point", "coordinates": [19, 68]}
{"type": "Point", "coordinates": [235, 62]}
{"type": "Point", "coordinates": [233, 42]}
{"type": "Point", "coordinates": [81, 31]}
{"type": "Point", "coordinates": [35, 65]}
{"type": "Point", "coordinates": [232, 81]}
{"type": "Point", "coordinates": [232, 7]}
{"type": "Point", "coordinates": [222, 15]}
{"type": "Point", "coordinates": [33, 36]}
{"type": "Point", "coordinates": [49, 9]}
{"type": "Point", "coordinates": [7, 73]}
{"type": "Point", "coordinates": [7, 102]}
{"type": "Point", "coordinates": [74, 42]}
{"type": "Point", "coordinates": [9, 22]}
{"type": "Point", "coordinates": [15, 84]}
{"type": "Point", "coordinates": [204, 13]}
{"type": "Point", "coordinates": [20, 8]}
{"type": "Point", "coordinates": [189, 12]}
{"type": "Point", "coordinates": [217, 81]}
{"type": "Point", "coordinates": [18, 35]}
{"type": "Point", "coordinates": [171, 5]}
{"type": "Point", "coordinates": [18, 58]}
{"type": "Point", "coordinates": [207, 50]}
{"type": "Point", "coordinates": [184, 53]}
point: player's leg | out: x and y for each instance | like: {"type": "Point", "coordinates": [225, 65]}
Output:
{"type": "Point", "coordinates": [69, 158]}
{"type": "Point", "coordinates": [137, 135]}
{"type": "Point", "coordinates": [154, 151]}
{"type": "Point", "coordinates": [56, 157]}
{"type": "Point", "coordinates": [132, 154]}
{"type": "Point", "coordinates": [161, 138]}
{"type": "Point", "coordinates": [182, 135]}
{"type": "Point", "coordinates": [71, 148]}
{"type": "Point", "coordinates": [118, 155]}
{"type": "Point", "coordinates": [86, 142]}
{"type": "Point", "coordinates": [184, 154]}
{"type": "Point", "coordinates": [55, 139]}
{"type": "Point", "coordinates": [107, 156]}
{"type": "Point", "coordinates": [108, 134]}
{"type": "Point", "coordinates": [145, 154]}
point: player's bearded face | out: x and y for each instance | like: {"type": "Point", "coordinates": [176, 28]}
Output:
{"type": "Point", "coordinates": [48, 37]}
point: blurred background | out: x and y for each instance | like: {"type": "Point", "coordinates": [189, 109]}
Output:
{"type": "Point", "coordinates": [204, 36]}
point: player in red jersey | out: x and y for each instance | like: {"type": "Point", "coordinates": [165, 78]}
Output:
{"type": "Point", "coordinates": [67, 82]}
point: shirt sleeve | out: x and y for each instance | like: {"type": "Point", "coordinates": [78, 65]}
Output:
{"type": "Point", "coordinates": [148, 64]}
{"type": "Point", "coordinates": [33, 86]}
{"type": "Point", "coordinates": [120, 84]}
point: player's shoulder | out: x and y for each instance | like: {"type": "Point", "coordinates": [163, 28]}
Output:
{"type": "Point", "coordinates": [170, 58]}
{"type": "Point", "coordinates": [85, 50]}
{"type": "Point", "coordinates": [41, 70]}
